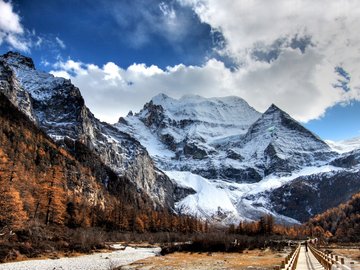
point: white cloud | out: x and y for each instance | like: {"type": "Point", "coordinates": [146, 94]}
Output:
{"type": "Point", "coordinates": [247, 23]}
{"type": "Point", "coordinates": [112, 72]}
{"type": "Point", "coordinates": [11, 30]}
{"type": "Point", "coordinates": [17, 42]}
{"type": "Point", "coordinates": [9, 21]}
{"type": "Point", "coordinates": [60, 42]}
{"type": "Point", "coordinates": [111, 91]}
{"type": "Point", "coordinates": [61, 73]}
{"type": "Point", "coordinates": [71, 66]}
{"type": "Point", "coordinates": [144, 70]}
{"type": "Point", "coordinates": [251, 25]}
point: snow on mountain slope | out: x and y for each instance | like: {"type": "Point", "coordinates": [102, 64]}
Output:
{"type": "Point", "coordinates": [278, 143]}
{"type": "Point", "coordinates": [223, 138]}
{"type": "Point", "coordinates": [197, 118]}
{"type": "Point", "coordinates": [345, 145]}
{"type": "Point", "coordinates": [209, 201]}
{"type": "Point", "coordinates": [231, 110]}
{"type": "Point", "coordinates": [192, 132]}
{"type": "Point", "coordinates": [148, 139]}
{"type": "Point", "coordinates": [230, 202]}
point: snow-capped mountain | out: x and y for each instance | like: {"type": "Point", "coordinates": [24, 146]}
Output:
{"type": "Point", "coordinates": [276, 143]}
{"type": "Point", "coordinates": [192, 130]}
{"type": "Point", "coordinates": [229, 158]}
{"type": "Point", "coordinates": [216, 158]}
{"type": "Point", "coordinates": [58, 108]}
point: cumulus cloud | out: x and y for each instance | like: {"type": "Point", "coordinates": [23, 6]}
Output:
{"type": "Point", "coordinates": [11, 30]}
{"type": "Point", "coordinates": [257, 31]}
{"type": "Point", "coordinates": [246, 24]}
{"type": "Point", "coordinates": [111, 91]}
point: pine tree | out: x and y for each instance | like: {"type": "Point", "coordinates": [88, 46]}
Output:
{"type": "Point", "coordinates": [53, 197]}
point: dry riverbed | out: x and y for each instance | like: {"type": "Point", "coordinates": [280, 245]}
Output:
{"type": "Point", "coordinates": [96, 261]}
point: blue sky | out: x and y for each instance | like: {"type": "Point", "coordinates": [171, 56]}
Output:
{"type": "Point", "coordinates": [300, 55]}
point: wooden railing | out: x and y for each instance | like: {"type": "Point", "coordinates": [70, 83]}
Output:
{"type": "Point", "coordinates": [290, 261]}
{"type": "Point", "coordinates": [330, 261]}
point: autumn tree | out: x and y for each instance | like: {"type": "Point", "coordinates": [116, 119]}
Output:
{"type": "Point", "coordinates": [12, 213]}
{"type": "Point", "coordinates": [52, 200]}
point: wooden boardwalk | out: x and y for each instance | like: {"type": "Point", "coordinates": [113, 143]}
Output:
{"type": "Point", "coordinates": [307, 261]}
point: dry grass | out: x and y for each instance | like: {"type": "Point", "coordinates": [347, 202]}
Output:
{"type": "Point", "coordinates": [252, 259]}
{"type": "Point", "coordinates": [352, 253]}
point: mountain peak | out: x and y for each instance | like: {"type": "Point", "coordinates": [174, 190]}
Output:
{"type": "Point", "coordinates": [278, 136]}
{"type": "Point", "coordinates": [159, 98]}
{"type": "Point", "coordinates": [274, 116]}
{"type": "Point", "coordinates": [273, 108]}
{"type": "Point", "coordinates": [18, 60]}
{"type": "Point", "coordinates": [216, 110]}
{"type": "Point", "coordinates": [283, 118]}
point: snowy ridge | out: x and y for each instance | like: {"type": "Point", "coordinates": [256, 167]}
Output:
{"type": "Point", "coordinates": [229, 110]}
{"type": "Point", "coordinates": [38, 83]}
{"type": "Point", "coordinates": [189, 129]}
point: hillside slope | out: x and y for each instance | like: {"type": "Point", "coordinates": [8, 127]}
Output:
{"type": "Point", "coordinates": [343, 221]}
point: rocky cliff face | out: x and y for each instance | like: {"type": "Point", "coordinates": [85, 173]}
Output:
{"type": "Point", "coordinates": [51, 185]}
{"type": "Point", "coordinates": [58, 108]}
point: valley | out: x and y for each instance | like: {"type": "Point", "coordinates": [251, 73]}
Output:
{"type": "Point", "coordinates": [206, 171]}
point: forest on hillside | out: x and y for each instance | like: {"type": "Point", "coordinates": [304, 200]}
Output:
{"type": "Point", "coordinates": [341, 223]}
